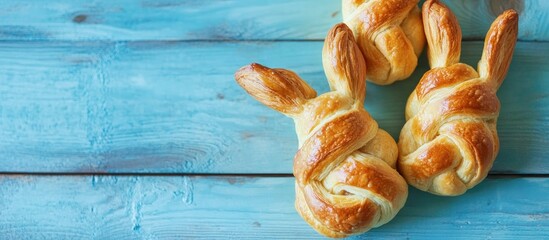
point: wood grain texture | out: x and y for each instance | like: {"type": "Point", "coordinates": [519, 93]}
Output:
{"type": "Point", "coordinates": [476, 16]}
{"type": "Point", "coordinates": [92, 207]}
{"type": "Point", "coordinates": [225, 20]}
{"type": "Point", "coordinates": [167, 19]}
{"type": "Point", "coordinates": [174, 107]}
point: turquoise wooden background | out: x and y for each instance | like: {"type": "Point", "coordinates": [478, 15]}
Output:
{"type": "Point", "coordinates": [122, 120]}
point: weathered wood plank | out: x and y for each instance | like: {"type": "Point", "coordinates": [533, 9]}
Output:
{"type": "Point", "coordinates": [167, 19]}
{"type": "Point", "coordinates": [74, 207]}
{"type": "Point", "coordinates": [174, 107]}
{"type": "Point", "coordinates": [476, 16]}
{"type": "Point", "coordinates": [224, 20]}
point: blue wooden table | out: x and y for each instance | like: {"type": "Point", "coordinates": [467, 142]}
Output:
{"type": "Point", "coordinates": [122, 120]}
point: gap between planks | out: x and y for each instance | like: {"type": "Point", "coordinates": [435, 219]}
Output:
{"type": "Point", "coordinates": [251, 175]}
{"type": "Point", "coordinates": [228, 40]}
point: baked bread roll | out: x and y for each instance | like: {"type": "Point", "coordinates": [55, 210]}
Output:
{"type": "Point", "coordinates": [449, 141]}
{"type": "Point", "coordinates": [346, 181]}
{"type": "Point", "coordinates": [389, 34]}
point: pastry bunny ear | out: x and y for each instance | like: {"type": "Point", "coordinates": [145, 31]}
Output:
{"type": "Point", "coordinates": [343, 62]}
{"type": "Point", "coordinates": [443, 34]}
{"type": "Point", "coordinates": [280, 89]}
{"type": "Point", "coordinates": [498, 48]}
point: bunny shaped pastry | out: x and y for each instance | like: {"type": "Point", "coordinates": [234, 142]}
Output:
{"type": "Point", "coordinates": [389, 34]}
{"type": "Point", "coordinates": [346, 182]}
{"type": "Point", "coordinates": [449, 141]}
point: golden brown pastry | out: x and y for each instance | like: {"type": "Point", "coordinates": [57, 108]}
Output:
{"type": "Point", "coordinates": [449, 141]}
{"type": "Point", "coordinates": [346, 182]}
{"type": "Point", "coordinates": [389, 34]}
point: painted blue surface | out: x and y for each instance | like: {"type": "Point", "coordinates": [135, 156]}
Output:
{"type": "Point", "coordinates": [174, 107]}
{"type": "Point", "coordinates": [224, 19]}
{"type": "Point", "coordinates": [144, 86]}
{"type": "Point", "coordinates": [110, 207]}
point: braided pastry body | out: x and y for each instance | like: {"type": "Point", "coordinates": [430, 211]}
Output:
{"type": "Point", "coordinates": [389, 34]}
{"type": "Point", "coordinates": [346, 182]}
{"type": "Point", "coordinates": [449, 141]}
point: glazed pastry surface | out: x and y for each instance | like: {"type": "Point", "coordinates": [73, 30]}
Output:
{"type": "Point", "coordinates": [390, 35]}
{"type": "Point", "coordinates": [346, 181]}
{"type": "Point", "coordinates": [449, 141]}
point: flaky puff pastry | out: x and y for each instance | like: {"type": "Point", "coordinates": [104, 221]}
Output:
{"type": "Point", "coordinates": [346, 182]}
{"type": "Point", "coordinates": [390, 35]}
{"type": "Point", "coordinates": [449, 141]}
